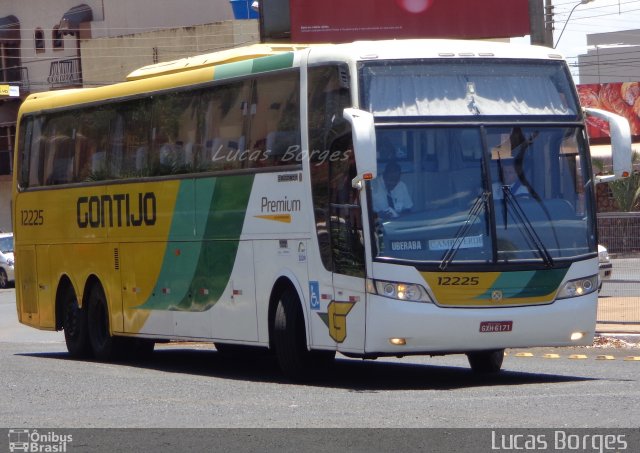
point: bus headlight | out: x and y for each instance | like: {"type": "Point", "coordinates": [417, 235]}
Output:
{"type": "Point", "coordinates": [578, 287]}
{"type": "Point", "coordinates": [396, 290]}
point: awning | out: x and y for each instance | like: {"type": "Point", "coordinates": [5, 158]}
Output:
{"type": "Point", "coordinates": [9, 28]}
{"type": "Point", "coordinates": [71, 20]}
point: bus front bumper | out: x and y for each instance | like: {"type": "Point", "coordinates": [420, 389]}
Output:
{"type": "Point", "coordinates": [398, 328]}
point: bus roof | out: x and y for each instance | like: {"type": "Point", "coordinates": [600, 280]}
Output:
{"type": "Point", "coordinates": [430, 48]}
{"type": "Point", "coordinates": [213, 59]}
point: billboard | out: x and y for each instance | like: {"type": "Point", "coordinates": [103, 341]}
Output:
{"type": "Point", "coordinates": [350, 20]}
{"type": "Point", "coordinates": [620, 98]}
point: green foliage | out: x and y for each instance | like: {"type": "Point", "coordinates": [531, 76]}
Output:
{"type": "Point", "coordinates": [626, 191]}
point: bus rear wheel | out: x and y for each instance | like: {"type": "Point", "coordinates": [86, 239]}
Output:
{"type": "Point", "coordinates": [290, 338]}
{"type": "Point", "coordinates": [486, 362]}
{"type": "Point", "coordinates": [75, 326]}
{"type": "Point", "coordinates": [105, 347]}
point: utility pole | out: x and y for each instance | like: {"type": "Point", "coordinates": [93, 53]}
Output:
{"type": "Point", "coordinates": [541, 22]}
{"type": "Point", "coordinates": [537, 22]}
{"type": "Point", "coordinates": [548, 23]}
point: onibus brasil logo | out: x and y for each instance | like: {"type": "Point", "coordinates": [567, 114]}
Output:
{"type": "Point", "coordinates": [30, 440]}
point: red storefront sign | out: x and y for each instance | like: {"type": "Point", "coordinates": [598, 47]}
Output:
{"type": "Point", "coordinates": [349, 20]}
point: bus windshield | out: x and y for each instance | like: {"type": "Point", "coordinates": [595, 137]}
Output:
{"type": "Point", "coordinates": [467, 88]}
{"type": "Point", "coordinates": [489, 194]}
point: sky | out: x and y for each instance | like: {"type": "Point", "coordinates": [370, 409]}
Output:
{"type": "Point", "coordinates": [598, 16]}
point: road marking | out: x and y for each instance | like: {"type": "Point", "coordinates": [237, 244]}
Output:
{"type": "Point", "coordinates": [632, 358]}
{"type": "Point", "coordinates": [577, 356]}
{"type": "Point", "coordinates": [524, 354]}
{"type": "Point", "coordinates": [551, 356]}
{"type": "Point", "coordinates": [605, 357]}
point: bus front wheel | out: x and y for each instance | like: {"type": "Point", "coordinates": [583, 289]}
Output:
{"type": "Point", "coordinates": [290, 339]}
{"type": "Point", "coordinates": [486, 361]}
{"type": "Point", "coordinates": [75, 326]}
{"type": "Point", "coordinates": [105, 347]}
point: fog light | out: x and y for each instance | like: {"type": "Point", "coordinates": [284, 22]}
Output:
{"type": "Point", "coordinates": [398, 341]}
{"type": "Point", "coordinates": [577, 336]}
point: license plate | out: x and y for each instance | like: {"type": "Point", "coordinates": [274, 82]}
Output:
{"type": "Point", "coordinates": [496, 326]}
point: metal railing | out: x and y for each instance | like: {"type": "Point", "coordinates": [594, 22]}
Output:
{"type": "Point", "coordinates": [65, 73]}
{"type": "Point", "coordinates": [619, 301]}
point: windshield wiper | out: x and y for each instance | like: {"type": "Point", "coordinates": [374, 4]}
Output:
{"type": "Point", "coordinates": [524, 224]}
{"type": "Point", "coordinates": [474, 213]}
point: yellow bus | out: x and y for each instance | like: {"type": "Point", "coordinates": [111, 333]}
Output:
{"type": "Point", "coordinates": [356, 198]}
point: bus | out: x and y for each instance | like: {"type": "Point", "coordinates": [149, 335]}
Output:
{"type": "Point", "coordinates": [350, 198]}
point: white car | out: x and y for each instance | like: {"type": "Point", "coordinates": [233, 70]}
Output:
{"type": "Point", "coordinates": [604, 265]}
{"type": "Point", "coordinates": [6, 260]}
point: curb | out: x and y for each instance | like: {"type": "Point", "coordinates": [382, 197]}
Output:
{"type": "Point", "coordinates": [628, 337]}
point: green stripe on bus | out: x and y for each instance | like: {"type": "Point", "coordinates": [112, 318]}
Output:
{"type": "Point", "coordinates": [239, 68]}
{"type": "Point", "coordinates": [195, 272]}
{"type": "Point", "coordinates": [272, 63]}
{"type": "Point", "coordinates": [257, 65]}
{"type": "Point", "coordinates": [542, 283]}
{"type": "Point", "coordinates": [526, 284]}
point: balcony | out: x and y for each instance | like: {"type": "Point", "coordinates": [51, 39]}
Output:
{"type": "Point", "coordinates": [17, 75]}
{"type": "Point", "coordinates": [65, 74]}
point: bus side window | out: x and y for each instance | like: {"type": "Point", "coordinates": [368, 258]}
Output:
{"type": "Point", "coordinates": [130, 142]}
{"type": "Point", "coordinates": [327, 97]}
{"type": "Point", "coordinates": [225, 114]}
{"type": "Point", "coordinates": [347, 239]}
{"type": "Point", "coordinates": [275, 123]}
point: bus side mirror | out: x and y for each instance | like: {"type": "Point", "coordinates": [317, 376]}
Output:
{"type": "Point", "coordinates": [620, 144]}
{"type": "Point", "coordinates": [364, 144]}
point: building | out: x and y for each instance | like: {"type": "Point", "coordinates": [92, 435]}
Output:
{"type": "Point", "coordinates": [612, 57]}
{"type": "Point", "coordinates": [48, 45]}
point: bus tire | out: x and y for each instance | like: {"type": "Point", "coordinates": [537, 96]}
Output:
{"type": "Point", "coordinates": [105, 347]}
{"type": "Point", "coordinates": [75, 326]}
{"type": "Point", "coordinates": [486, 362]}
{"type": "Point", "coordinates": [290, 338]}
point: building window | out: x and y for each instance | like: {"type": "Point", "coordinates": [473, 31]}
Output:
{"type": "Point", "coordinates": [39, 38]}
{"type": "Point", "coordinates": [56, 37]}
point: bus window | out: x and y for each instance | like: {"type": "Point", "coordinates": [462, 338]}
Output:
{"type": "Point", "coordinates": [60, 135]}
{"type": "Point", "coordinates": [92, 142]}
{"type": "Point", "coordinates": [275, 122]}
{"type": "Point", "coordinates": [347, 238]}
{"type": "Point", "coordinates": [173, 127]}
{"type": "Point", "coordinates": [224, 129]}
{"type": "Point", "coordinates": [327, 97]}
{"type": "Point", "coordinates": [133, 124]}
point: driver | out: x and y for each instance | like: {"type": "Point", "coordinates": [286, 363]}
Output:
{"type": "Point", "coordinates": [511, 180]}
{"type": "Point", "coordinates": [390, 195]}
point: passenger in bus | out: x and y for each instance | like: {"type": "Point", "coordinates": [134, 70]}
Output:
{"type": "Point", "coordinates": [391, 196]}
{"type": "Point", "coordinates": [510, 180]}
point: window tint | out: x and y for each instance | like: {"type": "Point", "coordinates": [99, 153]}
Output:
{"type": "Point", "coordinates": [208, 129]}
{"type": "Point", "coordinates": [275, 121]}
{"type": "Point", "coordinates": [327, 97]}
{"type": "Point", "coordinates": [223, 112]}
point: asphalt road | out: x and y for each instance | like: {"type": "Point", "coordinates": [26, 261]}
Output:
{"type": "Point", "coordinates": [191, 385]}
